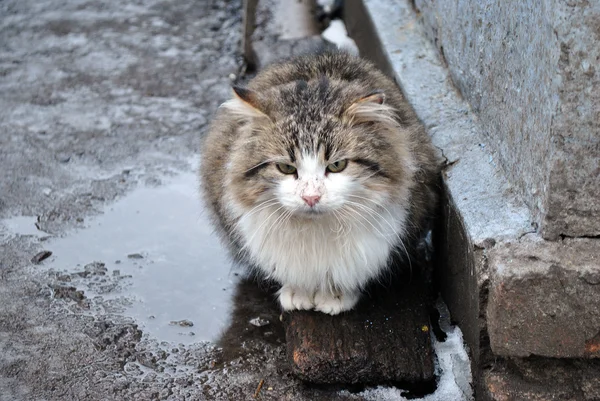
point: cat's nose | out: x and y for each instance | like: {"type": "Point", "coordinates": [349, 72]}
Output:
{"type": "Point", "coordinates": [311, 200]}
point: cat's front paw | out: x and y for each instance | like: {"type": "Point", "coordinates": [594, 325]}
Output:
{"type": "Point", "coordinates": [333, 304]}
{"type": "Point", "coordinates": [292, 298]}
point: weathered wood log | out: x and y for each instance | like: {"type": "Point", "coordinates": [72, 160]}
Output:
{"type": "Point", "coordinates": [386, 339]}
{"type": "Point", "coordinates": [249, 20]}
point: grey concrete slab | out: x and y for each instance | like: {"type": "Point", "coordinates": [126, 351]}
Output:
{"type": "Point", "coordinates": [529, 70]}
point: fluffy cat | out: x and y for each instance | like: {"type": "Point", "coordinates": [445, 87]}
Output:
{"type": "Point", "coordinates": [317, 174]}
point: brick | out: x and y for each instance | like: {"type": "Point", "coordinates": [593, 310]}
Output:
{"type": "Point", "coordinates": [542, 379]}
{"type": "Point", "coordinates": [544, 298]}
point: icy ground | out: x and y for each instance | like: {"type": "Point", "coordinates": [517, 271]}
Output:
{"type": "Point", "coordinates": [102, 107]}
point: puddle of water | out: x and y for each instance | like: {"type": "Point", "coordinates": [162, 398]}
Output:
{"type": "Point", "coordinates": [22, 225]}
{"type": "Point", "coordinates": [162, 238]}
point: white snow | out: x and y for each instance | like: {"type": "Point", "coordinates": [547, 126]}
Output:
{"type": "Point", "coordinates": [453, 370]}
{"type": "Point", "coordinates": [326, 5]}
{"type": "Point", "coordinates": [336, 33]}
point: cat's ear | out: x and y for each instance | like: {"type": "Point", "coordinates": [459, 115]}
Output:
{"type": "Point", "coordinates": [371, 107]}
{"type": "Point", "coordinates": [377, 97]}
{"type": "Point", "coordinates": [246, 95]}
{"type": "Point", "coordinates": [245, 103]}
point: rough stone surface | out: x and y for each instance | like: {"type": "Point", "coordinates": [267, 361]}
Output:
{"type": "Point", "coordinates": [540, 106]}
{"type": "Point", "coordinates": [542, 380]}
{"type": "Point", "coordinates": [544, 297]}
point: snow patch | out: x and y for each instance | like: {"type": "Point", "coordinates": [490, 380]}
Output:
{"type": "Point", "coordinates": [453, 370]}
{"type": "Point", "coordinates": [337, 34]}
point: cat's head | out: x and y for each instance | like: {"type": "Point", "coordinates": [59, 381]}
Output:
{"type": "Point", "coordinates": [312, 148]}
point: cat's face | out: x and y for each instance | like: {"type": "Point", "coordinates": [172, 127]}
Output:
{"type": "Point", "coordinates": [314, 185]}
{"type": "Point", "coordinates": [314, 161]}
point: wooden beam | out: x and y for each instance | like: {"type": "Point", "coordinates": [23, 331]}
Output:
{"type": "Point", "coordinates": [386, 339]}
{"type": "Point", "coordinates": [249, 21]}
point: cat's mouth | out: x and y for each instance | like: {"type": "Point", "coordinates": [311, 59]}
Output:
{"type": "Point", "coordinates": [311, 212]}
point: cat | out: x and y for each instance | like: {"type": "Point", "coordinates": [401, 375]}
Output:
{"type": "Point", "coordinates": [316, 174]}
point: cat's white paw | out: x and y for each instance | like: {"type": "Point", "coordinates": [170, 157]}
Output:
{"type": "Point", "coordinates": [292, 298]}
{"type": "Point", "coordinates": [333, 304]}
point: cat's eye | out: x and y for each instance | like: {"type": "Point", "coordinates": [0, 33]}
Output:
{"type": "Point", "coordinates": [338, 166]}
{"type": "Point", "coordinates": [286, 168]}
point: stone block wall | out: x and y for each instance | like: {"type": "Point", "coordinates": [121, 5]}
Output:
{"type": "Point", "coordinates": [530, 70]}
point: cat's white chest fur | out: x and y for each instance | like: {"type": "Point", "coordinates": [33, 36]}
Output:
{"type": "Point", "coordinates": [321, 260]}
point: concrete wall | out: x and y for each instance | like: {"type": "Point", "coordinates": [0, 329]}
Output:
{"type": "Point", "coordinates": [540, 105]}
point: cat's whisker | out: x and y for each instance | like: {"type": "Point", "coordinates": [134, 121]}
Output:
{"type": "Point", "coordinates": [258, 207]}
{"type": "Point", "coordinates": [406, 223]}
{"type": "Point", "coordinates": [261, 206]}
{"type": "Point", "coordinates": [375, 213]}
{"type": "Point", "coordinates": [378, 217]}
{"type": "Point", "coordinates": [262, 224]}
{"type": "Point", "coordinates": [344, 216]}
{"type": "Point", "coordinates": [340, 231]}
{"type": "Point", "coordinates": [394, 231]}
{"type": "Point", "coordinates": [271, 230]}
{"type": "Point", "coordinates": [385, 237]}
{"type": "Point", "coordinates": [287, 218]}
{"type": "Point", "coordinates": [366, 218]}
{"type": "Point", "coordinates": [281, 220]}
{"type": "Point", "coordinates": [362, 252]}
{"type": "Point", "coordinates": [362, 255]}
{"type": "Point", "coordinates": [351, 219]}
{"type": "Point", "coordinates": [378, 204]}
